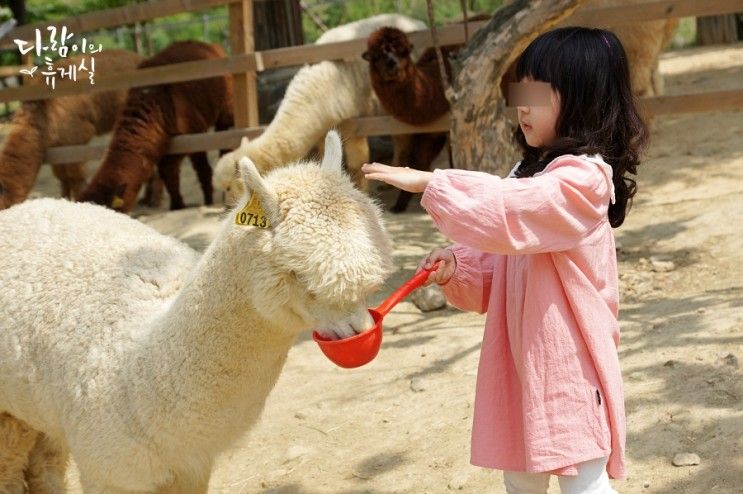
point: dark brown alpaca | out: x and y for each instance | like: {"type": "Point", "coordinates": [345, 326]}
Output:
{"type": "Point", "coordinates": [411, 92]}
{"type": "Point", "coordinates": [149, 120]}
{"type": "Point", "coordinates": [63, 121]}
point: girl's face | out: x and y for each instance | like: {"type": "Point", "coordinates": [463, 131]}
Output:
{"type": "Point", "coordinates": [538, 122]}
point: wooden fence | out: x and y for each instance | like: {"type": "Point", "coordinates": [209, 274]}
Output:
{"type": "Point", "coordinates": [244, 63]}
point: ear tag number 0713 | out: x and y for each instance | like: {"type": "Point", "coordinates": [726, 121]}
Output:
{"type": "Point", "coordinates": [253, 214]}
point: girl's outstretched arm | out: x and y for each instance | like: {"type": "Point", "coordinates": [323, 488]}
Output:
{"type": "Point", "coordinates": [550, 212]}
{"type": "Point", "coordinates": [403, 178]}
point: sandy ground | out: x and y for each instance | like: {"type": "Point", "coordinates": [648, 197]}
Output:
{"type": "Point", "coordinates": [329, 430]}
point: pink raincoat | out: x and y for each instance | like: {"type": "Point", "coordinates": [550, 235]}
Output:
{"type": "Point", "coordinates": [537, 254]}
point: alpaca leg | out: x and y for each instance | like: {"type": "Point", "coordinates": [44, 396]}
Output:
{"type": "Point", "coordinates": [357, 153]}
{"type": "Point", "coordinates": [224, 122]}
{"type": "Point", "coordinates": [16, 442]}
{"type": "Point", "coordinates": [170, 170]}
{"type": "Point", "coordinates": [153, 192]}
{"type": "Point", "coordinates": [76, 177]}
{"type": "Point", "coordinates": [200, 164]}
{"type": "Point", "coordinates": [71, 177]}
{"type": "Point", "coordinates": [46, 467]}
{"type": "Point", "coordinates": [400, 143]}
{"type": "Point", "coordinates": [422, 150]}
{"type": "Point", "coordinates": [404, 156]}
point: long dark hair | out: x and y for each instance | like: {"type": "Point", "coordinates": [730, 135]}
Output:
{"type": "Point", "coordinates": [588, 68]}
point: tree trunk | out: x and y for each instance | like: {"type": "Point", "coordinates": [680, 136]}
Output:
{"type": "Point", "coordinates": [277, 23]}
{"type": "Point", "coordinates": [480, 133]}
{"type": "Point", "coordinates": [717, 29]}
{"type": "Point", "coordinates": [18, 7]}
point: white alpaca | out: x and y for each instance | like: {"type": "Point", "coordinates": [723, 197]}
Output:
{"type": "Point", "coordinates": [320, 96]}
{"type": "Point", "coordinates": [644, 42]}
{"type": "Point", "coordinates": [144, 360]}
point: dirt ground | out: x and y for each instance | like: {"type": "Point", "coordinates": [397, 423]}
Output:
{"type": "Point", "coordinates": [329, 430]}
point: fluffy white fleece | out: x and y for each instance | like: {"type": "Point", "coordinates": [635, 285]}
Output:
{"type": "Point", "coordinates": [143, 359]}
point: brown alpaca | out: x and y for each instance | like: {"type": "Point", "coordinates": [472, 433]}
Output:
{"type": "Point", "coordinates": [149, 120]}
{"type": "Point", "coordinates": [411, 92]}
{"type": "Point", "coordinates": [63, 121]}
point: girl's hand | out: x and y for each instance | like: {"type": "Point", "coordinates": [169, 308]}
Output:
{"type": "Point", "coordinates": [444, 271]}
{"type": "Point", "coordinates": [403, 178]}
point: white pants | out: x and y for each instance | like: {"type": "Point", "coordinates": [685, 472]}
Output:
{"type": "Point", "coordinates": [591, 479]}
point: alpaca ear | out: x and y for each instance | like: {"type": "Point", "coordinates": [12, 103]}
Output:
{"type": "Point", "coordinates": [255, 185]}
{"type": "Point", "coordinates": [333, 159]}
{"type": "Point", "coordinates": [366, 56]}
{"type": "Point", "coordinates": [244, 142]}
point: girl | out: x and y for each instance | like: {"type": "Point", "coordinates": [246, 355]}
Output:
{"type": "Point", "coordinates": [536, 252]}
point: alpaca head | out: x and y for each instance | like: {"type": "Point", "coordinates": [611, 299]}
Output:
{"type": "Point", "coordinates": [388, 53]}
{"type": "Point", "coordinates": [226, 177]}
{"type": "Point", "coordinates": [323, 247]}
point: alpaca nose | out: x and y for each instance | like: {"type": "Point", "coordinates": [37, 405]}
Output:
{"type": "Point", "coordinates": [391, 62]}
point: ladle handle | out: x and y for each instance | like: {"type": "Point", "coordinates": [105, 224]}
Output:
{"type": "Point", "coordinates": [405, 290]}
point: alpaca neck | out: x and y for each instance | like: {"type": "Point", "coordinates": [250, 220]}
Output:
{"type": "Point", "coordinates": [307, 103]}
{"type": "Point", "coordinates": [211, 354]}
{"type": "Point", "coordinates": [415, 99]}
{"type": "Point", "coordinates": [22, 155]}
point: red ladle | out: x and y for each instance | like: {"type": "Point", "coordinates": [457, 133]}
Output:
{"type": "Point", "coordinates": [361, 349]}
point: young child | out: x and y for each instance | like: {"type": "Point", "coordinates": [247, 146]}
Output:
{"type": "Point", "coordinates": [536, 252]}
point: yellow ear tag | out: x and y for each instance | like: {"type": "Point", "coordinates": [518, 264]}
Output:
{"type": "Point", "coordinates": [253, 214]}
{"type": "Point", "coordinates": [117, 202]}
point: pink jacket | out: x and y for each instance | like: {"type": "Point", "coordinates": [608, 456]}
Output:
{"type": "Point", "coordinates": [537, 254]}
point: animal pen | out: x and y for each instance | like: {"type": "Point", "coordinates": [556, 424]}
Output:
{"type": "Point", "coordinates": [244, 63]}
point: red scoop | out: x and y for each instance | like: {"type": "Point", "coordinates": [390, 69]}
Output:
{"type": "Point", "coordinates": [361, 349]}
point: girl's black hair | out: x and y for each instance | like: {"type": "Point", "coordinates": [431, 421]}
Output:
{"type": "Point", "coordinates": [588, 68]}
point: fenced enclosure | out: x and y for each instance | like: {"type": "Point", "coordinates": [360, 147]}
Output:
{"type": "Point", "coordinates": [246, 61]}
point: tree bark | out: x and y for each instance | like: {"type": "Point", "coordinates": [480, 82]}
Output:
{"type": "Point", "coordinates": [717, 29]}
{"type": "Point", "coordinates": [481, 135]}
{"type": "Point", "coordinates": [18, 7]}
{"type": "Point", "coordinates": [278, 23]}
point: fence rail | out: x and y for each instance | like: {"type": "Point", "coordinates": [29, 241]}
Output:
{"type": "Point", "coordinates": [386, 125]}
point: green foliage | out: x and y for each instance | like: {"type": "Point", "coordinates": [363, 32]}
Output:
{"type": "Point", "coordinates": [686, 33]}
{"type": "Point", "coordinates": [154, 35]}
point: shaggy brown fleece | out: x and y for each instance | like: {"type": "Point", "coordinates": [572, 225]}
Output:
{"type": "Point", "coordinates": [412, 92]}
{"type": "Point", "coordinates": [149, 120]}
{"type": "Point", "coordinates": [64, 121]}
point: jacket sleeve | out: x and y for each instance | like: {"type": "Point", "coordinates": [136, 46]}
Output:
{"type": "Point", "coordinates": [470, 286]}
{"type": "Point", "coordinates": [549, 212]}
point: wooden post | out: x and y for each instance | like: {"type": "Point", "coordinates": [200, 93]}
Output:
{"type": "Point", "coordinates": [717, 29]}
{"type": "Point", "coordinates": [241, 41]}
